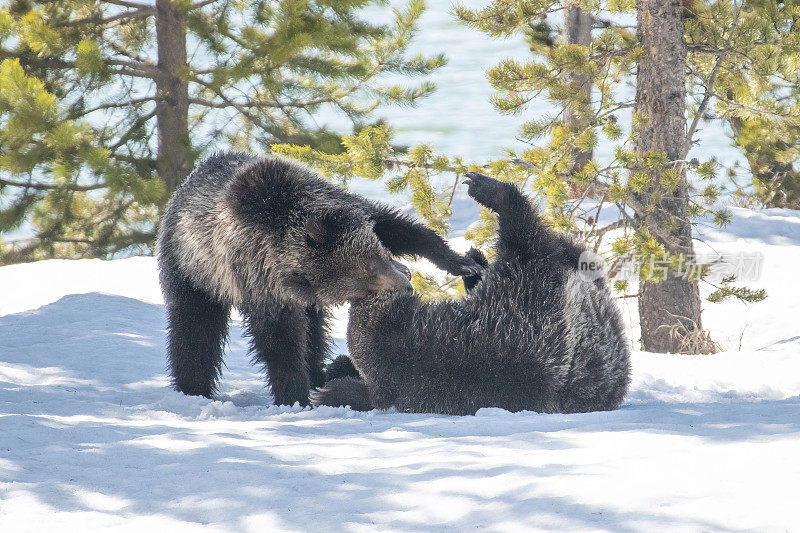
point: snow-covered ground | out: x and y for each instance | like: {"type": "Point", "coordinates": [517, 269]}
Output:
{"type": "Point", "coordinates": [91, 437]}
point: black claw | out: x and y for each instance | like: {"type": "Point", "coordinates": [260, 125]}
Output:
{"type": "Point", "coordinates": [471, 271]}
{"type": "Point", "coordinates": [469, 267]}
{"type": "Point", "coordinates": [473, 175]}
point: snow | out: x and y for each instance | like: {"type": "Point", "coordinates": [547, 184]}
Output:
{"type": "Point", "coordinates": [92, 438]}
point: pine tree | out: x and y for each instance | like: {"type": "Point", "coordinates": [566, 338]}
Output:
{"type": "Point", "coordinates": [672, 300]}
{"type": "Point", "coordinates": [106, 105]}
{"type": "Point", "coordinates": [645, 183]}
{"type": "Point", "coordinates": [578, 30]}
{"type": "Point", "coordinates": [772, 156]}
{"type": "Point", "coordinates": [755, 86]}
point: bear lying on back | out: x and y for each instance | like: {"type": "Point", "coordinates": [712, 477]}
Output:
{"type": "Point", "coordinates": [273, 239]}
{"type": "Point", "coordinates": [531, 333]}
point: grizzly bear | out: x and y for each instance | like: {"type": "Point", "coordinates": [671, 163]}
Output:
{"type": "Point", "coordinates": [271, 238]}
{"type": "Point", "coordinates": [532, 333]}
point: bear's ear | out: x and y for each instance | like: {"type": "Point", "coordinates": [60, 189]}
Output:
{"type": "Point", "coordinates": [319, 230]}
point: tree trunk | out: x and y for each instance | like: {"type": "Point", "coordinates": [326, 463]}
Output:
{"type": "Point", "coordinates": [578, 30]}
{"type": "Point", "coordinates": [661, 100]}
{"type": "Point", "coordinates": [172, 112]}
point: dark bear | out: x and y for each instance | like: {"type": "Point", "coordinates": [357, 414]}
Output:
{"type": "Point", "coordinates": [534, 332]}
{"type": "Point", "coordinates": [279, 243]}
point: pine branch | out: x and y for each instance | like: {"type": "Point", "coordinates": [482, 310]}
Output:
{"type": "Point", "coordinates": [49, 187]}
{"type": "Point", "coordinates": [709, 85]}
{"type": "Point", "coordinates": [599, 232]}
{"type": "Point", "coordinates": [601, 23]}
{"type": "Point", "coordinates": [752, 109]}
{"type": "Point", "coordinates": [134, 160]}
{"type": "Point", "coordinates": [608, 54]}
{"type": "Point", "coordinates": [204, 3]}
{"type": "Point", "coordinates": [131, 5]}
{"type": "Point", "coordinates": [259, 104]}
{"type": "Point", "coordinates": [124, 138]}
{"type": "Point", "coordinates": [96, 21]}
{"type": "Point", "coordinates": [236, 105]}
{"type": "Point", "coordinates": [19, 253]}
{"type": "Point", "coordinates": [131, 55]}
{"type": "Point", "coordinates": [127, 68]}
{"type": "Point", "coordinates": [119, 104]}
{"type": "Point", "coordinates": [524, 163]}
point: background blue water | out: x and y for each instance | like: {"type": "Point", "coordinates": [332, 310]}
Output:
{"type": "Point", "coordinates": [458, 119]}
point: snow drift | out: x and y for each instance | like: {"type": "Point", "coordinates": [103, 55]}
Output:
{"type": "Point", "coordinates": [92, 438]}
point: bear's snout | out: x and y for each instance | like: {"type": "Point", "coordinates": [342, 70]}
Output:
{"type": "Point", "coordinates": [389, 276]}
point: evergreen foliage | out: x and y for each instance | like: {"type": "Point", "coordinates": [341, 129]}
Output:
{"type": "Point", "coordinates": [105, 105]}
{"type": "Point", "coordinates": [732, 50]}
{"type": "Point", "coordinates": [749, 51]}
{"type": "Point", "coordinates": [726, 290]}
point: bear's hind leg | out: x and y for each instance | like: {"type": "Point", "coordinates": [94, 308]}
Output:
{"type": "Point", "coordinates": [197, 327]}
{"type": "Point", "coordinates": [279, 341]}
{"type": "Point", "coordinates": [344, 391]}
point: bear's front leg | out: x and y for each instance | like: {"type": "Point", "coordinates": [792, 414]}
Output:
{"type": "Point", "coordinates": [471, 281]}
{"type": "Point", "coordinates": [521, 232]}
{"type": "Point", "coordinates": [280, 340]}
{"type": "Point", "coordinates": [489, 192]}
{"type": "Point", "coordinates": [402, 235]}
{"type": "Point", "coordinates": [318, 345]}
{"type": "Point", "coordinates": [197, 327]}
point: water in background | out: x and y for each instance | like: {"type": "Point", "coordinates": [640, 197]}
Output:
{"type": "Point", "coordinates": [459, 119]}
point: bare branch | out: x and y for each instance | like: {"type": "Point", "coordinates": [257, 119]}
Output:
{"type": "Point", "coordinates": [605, 229]}
{"type": "Point", "coordinates": [629, 296]}
{"type": "Point", "coordinates": [51, 187]}
{"type": "Point", "coordinates": [131, 5]}
{"type": "Point", "coordinates": [125, 15]}
{"type": "Point", "coordinates": [118, 104]}
{"type": "Point", "coordinates": [709, 85]}
{"type": "Point", "coordinates": [204, 3]}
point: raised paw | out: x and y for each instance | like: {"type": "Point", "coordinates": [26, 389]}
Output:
{"type": "Point", "coordinates": [487, 191]}
{"type": "Point", "coordinates": [470, 281]}
{"type": "Point", "coordinates": [463, 265]}
{"type": "Point", "coordinates": [478, 257]}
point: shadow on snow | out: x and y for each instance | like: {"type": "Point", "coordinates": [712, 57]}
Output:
{"type": "Point", "coordinates": [86, 409]}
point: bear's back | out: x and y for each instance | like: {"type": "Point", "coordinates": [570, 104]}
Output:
{"type": "Point", "coordinates": [234, 211]}
{"type": "Point", "coordinates": [277, 193]}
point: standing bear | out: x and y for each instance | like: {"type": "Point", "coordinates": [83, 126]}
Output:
{"type": "Point", "coordinates": [533, 332]}
{"type": "Point", "coordinates": [279, 243]}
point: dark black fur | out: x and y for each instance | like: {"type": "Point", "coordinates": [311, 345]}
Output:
{"type": "Point", "coordinates": [273, 239]}
{"type": "Point", "coordinates": [531, 334]}
{"type": "Point", "coordinates": [341, 367]}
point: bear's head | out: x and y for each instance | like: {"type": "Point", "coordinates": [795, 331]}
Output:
{"type": "Point", "coordinates": [337, 257]}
